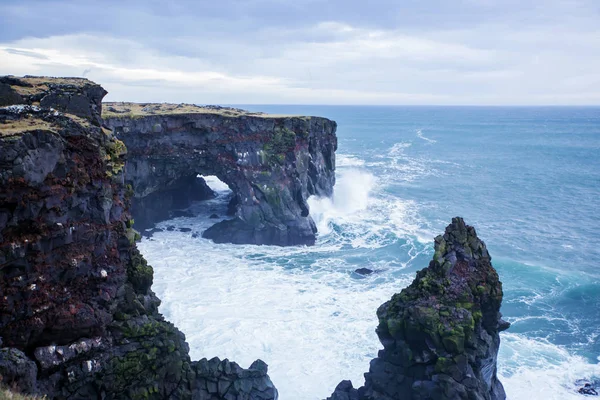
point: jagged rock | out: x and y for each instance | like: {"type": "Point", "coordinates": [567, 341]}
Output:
{"type": "Point", "coordinates": [77, 313]}
{"type": "Point", "coordinates": [272, 165]}
{"type": "Point", "coordinates": [441, 334]}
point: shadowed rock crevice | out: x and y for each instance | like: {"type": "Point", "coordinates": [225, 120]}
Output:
{"type": "Point", "coordinates": [271, 163]}
{"type": "Point", "coordinates": [441, 334]}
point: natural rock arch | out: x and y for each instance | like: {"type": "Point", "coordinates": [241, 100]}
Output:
{"type": "Point", "coordinates": [272, 164]}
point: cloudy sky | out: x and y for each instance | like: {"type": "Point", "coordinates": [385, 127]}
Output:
{"type": "Point", "coordinates": [480, 52]}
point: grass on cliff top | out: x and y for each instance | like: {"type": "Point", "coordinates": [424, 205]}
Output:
{"type": "Point", "coordinates": [14, 127]}
{"type": "Point", "coordinates": [138, 110]}
{"type": "Point", "coordinates": [40, 83]}
{"type": "Point", "coordinates": [28, 123]}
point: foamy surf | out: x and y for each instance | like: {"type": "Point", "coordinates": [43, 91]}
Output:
{"type": "Point", "coordinates": [538, 369]}
{"type": "Point", "coordinates": [306, 313]}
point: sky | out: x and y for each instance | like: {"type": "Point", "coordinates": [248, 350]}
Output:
{"type": "Point", "coordinates": [375, 52]}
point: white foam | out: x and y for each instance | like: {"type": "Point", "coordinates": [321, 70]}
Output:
{"type": "Point", "coordinates": [537, 369]}
{"type": "Point", "coordinates": [351, 195]}
{"type": "Point", "coordinates": [313, 324]}
{"type": "Point", "coordinates": [303, 310]}
{"type": "Point", "coordinates": [421, 136]}
{"type": "Point", "coordinates": [398, 148]}
{"type": "Point", "coordinates": [345, 160]}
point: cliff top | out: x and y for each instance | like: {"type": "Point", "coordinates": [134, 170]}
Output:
{"type": "Point", "coordinates": [74, 96]}
{"type": "Point", "coordinates": [32, 85]}
{"type": "Point", "coordinates": [139, 110]}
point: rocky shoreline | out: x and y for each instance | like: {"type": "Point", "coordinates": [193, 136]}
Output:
{"type": "Point", "coordinates": [78, 318]}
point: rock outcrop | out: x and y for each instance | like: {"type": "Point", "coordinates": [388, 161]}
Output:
{"type": "Point", "coordinates": [441, 334]}
{"type": "Point", "coordinates": [78, 318]}
{"type": "Point", "coordinates": [271, 163]}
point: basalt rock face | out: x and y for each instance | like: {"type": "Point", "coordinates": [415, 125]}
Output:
{"type": "Point", "coordinates": [78, 318]}
{"type": "Point", "coordinates": [272, 164]}
{"type": "Point", "coordinates": [441, 334]}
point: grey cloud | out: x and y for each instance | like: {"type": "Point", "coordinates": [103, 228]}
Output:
{"type": "Point", "coordinates": [464, 51]}
{"type": "Point", "coordinates": [26, 53]}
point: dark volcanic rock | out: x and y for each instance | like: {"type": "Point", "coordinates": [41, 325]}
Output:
{"type": "Point", "coordinates": [588, 390]}
{"type": "Point", "coordinates": [77, 96]}
{"type": "Point", "coordinates": [440, 334]}
{"type": "Point", "coordinates": [78, 318]}
{"type": "Point", "coordinates": [272, 165]}
{"type": "Point", "coordinates": [364, 271]}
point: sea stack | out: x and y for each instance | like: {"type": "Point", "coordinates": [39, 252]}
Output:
{"type": "Point", "coordinates": [441, 334]}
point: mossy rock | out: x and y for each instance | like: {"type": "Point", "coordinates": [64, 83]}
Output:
{"type": "Point", "coordinates": [139, 273]}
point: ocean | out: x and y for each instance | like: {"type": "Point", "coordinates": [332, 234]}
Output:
{"type": "Point", "coordinates": [528, 180]}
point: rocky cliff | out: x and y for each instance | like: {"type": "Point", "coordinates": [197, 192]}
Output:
{"type": "Point", "coordinates": [78, 318]}
{"type": "Point", "coordinates": [440, 335]}
{"type": "Point", "coordinates": [271, 163]}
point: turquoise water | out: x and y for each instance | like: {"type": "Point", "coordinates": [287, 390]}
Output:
{"type": "Point", "coordinates": [528, 179]}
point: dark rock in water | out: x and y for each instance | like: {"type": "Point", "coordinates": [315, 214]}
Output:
{"type": "Point", "coordinates": [170, 228]}
{"type": "Point", "coordinates": [214, 216]}
{"type": "Point", "coordinates": [272, 164]}
{"type": "Point", "coordinates": [364, 271]}
{"type": "Point", "coordinates": [78, 318]}
{"type": "Point", "coordinates": [195, 235]}
{"type": "Point", "coordinates": [588, 390]}
{"type": "Point", "coordinates": [185, 229]}
{"type": "Point", "coordinates": [441, 334]}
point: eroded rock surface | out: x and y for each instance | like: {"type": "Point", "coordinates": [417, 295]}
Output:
{"type": "Point", "coordinates": [78, 318]}
{"type": "Point", "coordinates": [441, 334]}
{"type": "Point", "coordinates": [271, 163]}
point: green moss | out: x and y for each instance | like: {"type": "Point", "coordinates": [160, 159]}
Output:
{"type": "Point", "coordinates": [454, 343]}
{"type": "Point", "coordinates": [395, 326]}
{"type": "Point", "coordinates": [282, 141]}
{"type": "Point", "coordinates": [443, 364]}
{"type": "Point", "coordinates": [113, 154]}
{"type": "Point", "coordinates": [132, 235]}
{"type": "Point", "coordinates": [139, 273]}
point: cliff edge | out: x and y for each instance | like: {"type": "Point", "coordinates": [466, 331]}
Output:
{"type": "Point", "coordinates": [272, 164]}
{"type": "Point", "coordinates": [440, 335]}
{"type": "Point", "coordinates": [78, 318]}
